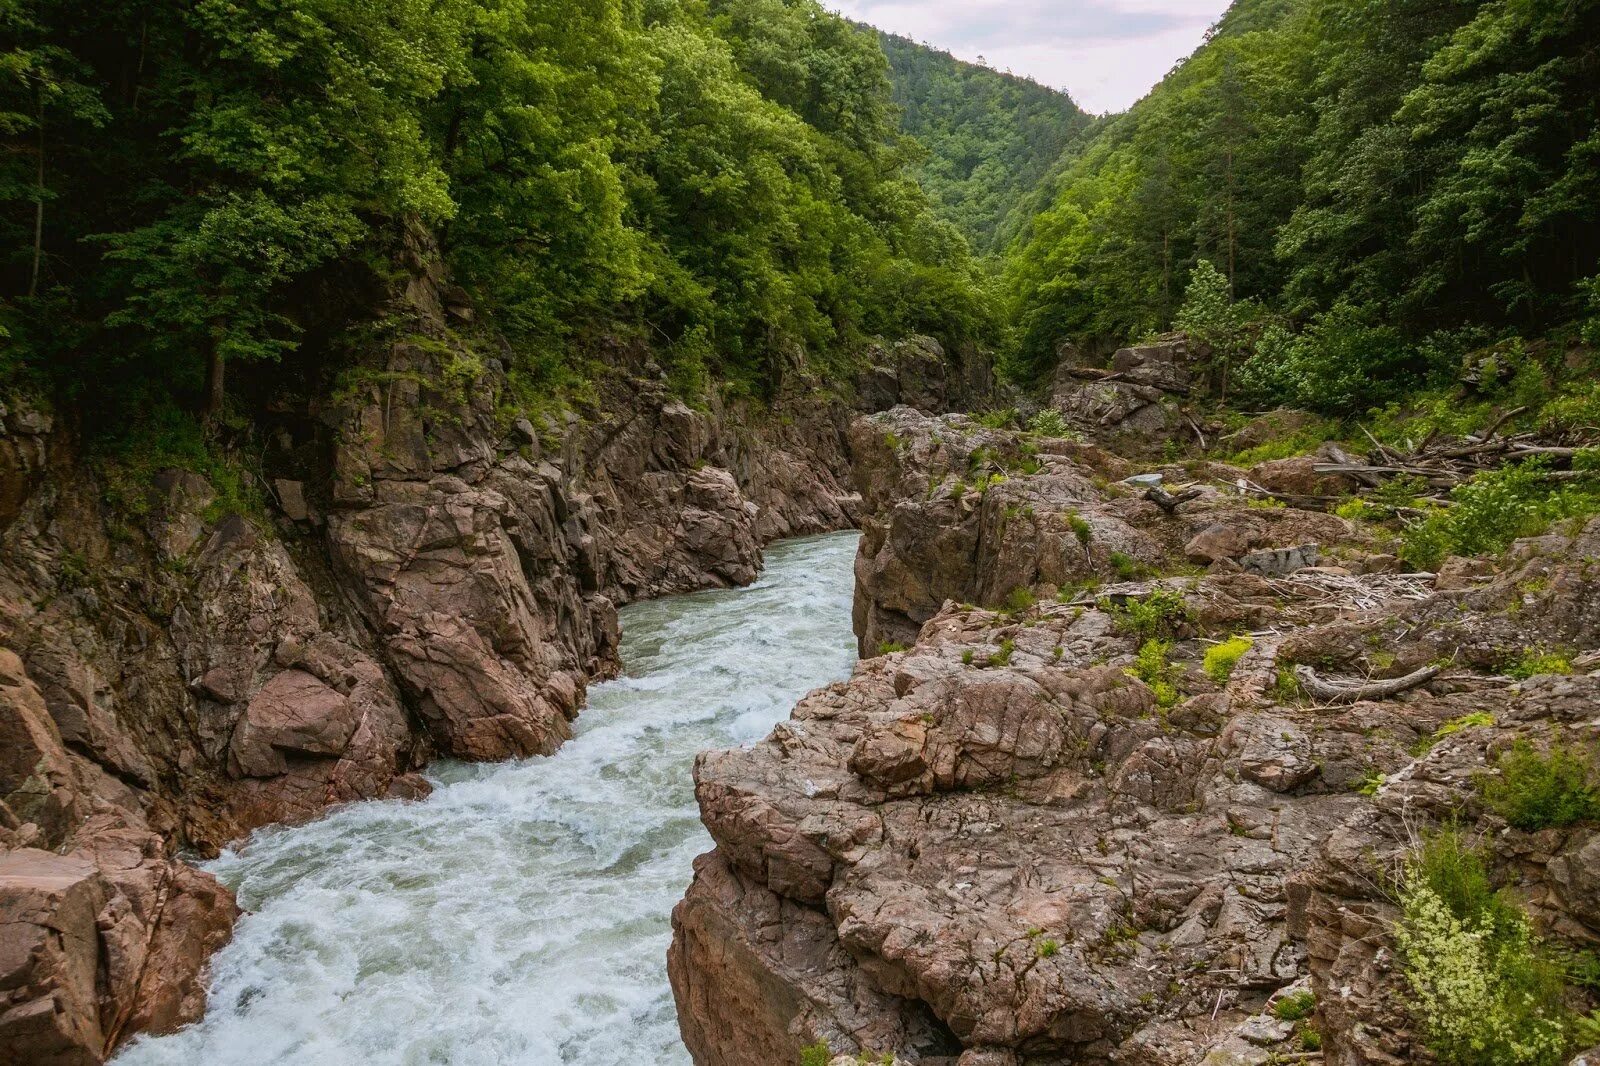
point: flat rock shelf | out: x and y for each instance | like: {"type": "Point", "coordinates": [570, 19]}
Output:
{"type": "Point", "coordinates": [520, 915]}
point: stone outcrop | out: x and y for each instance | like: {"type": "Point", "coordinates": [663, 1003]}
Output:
{"type": "Point", "coordinates": [1132, 408]}
{"type": "Point", "coordinates": [958, 512]}
{"type": "Point", "coordinates": [1019, 841]}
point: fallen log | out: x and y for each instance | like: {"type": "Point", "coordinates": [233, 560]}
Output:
{"type": "Point", "coordinates": [1167, 501]}
{"type": "Point", "coordinates": [1355, 691]}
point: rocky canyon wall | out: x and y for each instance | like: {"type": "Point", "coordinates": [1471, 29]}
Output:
{"type": "Point", "coordinates": [436, 573]}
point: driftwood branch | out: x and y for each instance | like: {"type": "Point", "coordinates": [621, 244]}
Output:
{"type": "Point", "coordinates": [1167, 501]}
{"type": "Point", "coordinates": [1354, 692]}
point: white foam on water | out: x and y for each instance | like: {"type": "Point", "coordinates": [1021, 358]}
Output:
{"type": "Point", "coordinates": [520, 915]}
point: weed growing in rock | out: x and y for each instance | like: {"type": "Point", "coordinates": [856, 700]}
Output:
{"type": "Point", "coordinates": [1296, 1006]}
{"type": "Point", "coordinates": [1047, 949]}
{"type": "Point", "coordinates": [890, 647]}
{"type": "Point", "coordinates": [1003, 656]}
{"type": "Point", "coordinates": [1126, 567]}
{"type": "Point", "coordinates": [1543, 791]}
{"type": "Point", "coordinates": [818, 1054]}
{"type": "Point", "coordinates": [1020, 599]}
{"type": "Point", "coordinates": [1154, 668]}
{"type": "Point", "coordinates": [1221, 658]}
{"type": "Point", "coordinates": [1080, 529]}
{"type": "Point", "coordinates": [966, 657]}
{"type": "Point", "coordinates": [1534, 662]}
{"type": "Point", "coordinates": [1483, 989]}
{"type": "Point", "coordinates": [1050, 423]}
{"type": "Point", "coordinates": [1159, 615]}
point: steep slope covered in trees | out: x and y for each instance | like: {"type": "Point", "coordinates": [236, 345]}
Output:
{"type": "Point", "coordinates": [991, 137]}
{"type": "Point", "coordinates": [1373, 173]}
{"type": "Point", "coordinates": [187, 187]}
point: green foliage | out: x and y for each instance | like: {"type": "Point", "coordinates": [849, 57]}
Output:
{"type": "Point", "coordinates": [1002, 657]}
{"type": "Point", "coordinates": [1126, 567]}
{"type": "Point", "coordinates": [1534, 662]}
{"type": "Point", "coordinates": [1296, 1007]}
{"type": "Point", "coordinates": [223, 178]}
{"type": "Point", "coordinates": [1160, 615]}
{"type": "Point", "coordinates": [1541, 791]}
{"type": "Point", "coordinates": [1483, 989]}
{"type": "Point", "coordinates": [1494, 509]}
{"type": "Point", "coordinates": [1020, 599]}
{"type": "Point", "coordinates": [1154, 667]}
{"type": "Point", "coordinates": [990, 137]}
{"type": "Point", "coordinates": [891, 647]}
{"type": "Point", "coordinates": [818, 1054]}
{"type": "Point", "coordinates": [1365, 174]}
{"type": "Point", "coordinates": [1220, 659]}
{"type": "Point", "coordinates": [1050, 423]}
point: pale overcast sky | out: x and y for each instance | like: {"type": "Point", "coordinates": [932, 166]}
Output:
{"type": "Point", "coordinates": [1106, 53]}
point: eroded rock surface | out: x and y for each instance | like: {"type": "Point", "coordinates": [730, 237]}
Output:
{"type": "Point", "coordinates": [1013, 843]}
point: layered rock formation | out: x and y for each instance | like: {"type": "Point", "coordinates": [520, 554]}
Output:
{"type": "Point", "coordinates": [1027, 840]}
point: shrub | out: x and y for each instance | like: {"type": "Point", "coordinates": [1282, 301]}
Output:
{"type": "Point", "coordinates": [1494, 509]}
{"type": "Point", "coordinates": [1222, 658]}
{"type": "Point", "coordinates": [1482, 988]}
{"type": "Point", "coordinates": [1003, 656]}
{"type": "Point", "coordinates": [1159, 615]}
{"type": "Point", "coordinates": [1020, 599]}
{"type": "Point", "coordinates": [890, 647]}
{"type": "Point", "coordinates": [1153, 667]}
{"type": "Point", "coordinates": [818, 1054]}
{"type": "Point", "coordinates": [1534, 791]}
{"type": "Point", "coordinates": [1080, 529]}
{"type": "Point", "coordinates": [1051, 423]}
{"type": "Point", "coordinates": [1534, 662]}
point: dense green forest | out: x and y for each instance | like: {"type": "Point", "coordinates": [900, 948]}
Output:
{"type": "Point", "coordinates": [1380, 187]}
{"type": "Point", "coordinates": [991, 137]}
{"type": "Point", "coordinates": [188, 187]}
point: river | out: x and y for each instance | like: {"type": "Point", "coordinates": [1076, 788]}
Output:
{"type": "Point", "coordinates": [520, 915]}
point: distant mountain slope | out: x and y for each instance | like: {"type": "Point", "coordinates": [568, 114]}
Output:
{"type": "Point", "coordinates": [992, 136]}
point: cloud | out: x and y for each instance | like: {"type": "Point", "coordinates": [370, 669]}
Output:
{"type": "Point", "coordinates": [1106, 53]}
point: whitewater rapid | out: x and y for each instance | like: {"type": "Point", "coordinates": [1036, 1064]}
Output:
{"type": "Point", "coordinates": [520, 914]}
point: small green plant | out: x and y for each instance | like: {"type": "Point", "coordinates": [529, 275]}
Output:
{"type": "Point", "coordinates": [966, 657]}
{"type": "Point", "coordinates": [890, 647]}
{"type": "Point", "coordinates": [1159, 615]}
{"type": "Point", "coordinates": [1003, 656]}
{"type": "Point", "coordinates": [818, 1054]}
{"type": "Point", "coordinates": [1296, 1006]}
{"type": "Point", "coordinates": [1001, 419]}
{"type": "Point", "coordinates": [1155, 669]}
{"type": "Point", "coordinates": [1534, 662]}
{"type": "Point", "coordinates": [1543, 791]}
{"type": "Point", "coordinates": [1371, 781]}
{"type": "Point", "coordinates": [1483, 989]}
{"type": "Point", "coordinates": [1020, 599]}
{"type": "Point", "coordinates": [1126, 567]}
{"type": "Point", "coordinates": [1080, 529]}
{"type": "Point", "coordinates": [1046, 949]}
{"type": "Point", "coordinates": [1310, 1040]}
{"type": "Point", "coordinates": [1050, 423]}
{"type": "Point", "coordinates": [1220, 659]}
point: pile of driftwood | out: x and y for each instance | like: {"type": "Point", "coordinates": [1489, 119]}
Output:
{"type": "Point", "coordinates": [1444, 463]}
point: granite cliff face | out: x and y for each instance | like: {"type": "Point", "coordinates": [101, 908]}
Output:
{"type": "Point", "coordinates": [1015, 837]}
{"type": "Point", "coordinates": [437, 575]}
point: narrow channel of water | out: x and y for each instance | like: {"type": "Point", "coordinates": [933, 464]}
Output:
{"type": "Point", "coordinates": [520, 914]}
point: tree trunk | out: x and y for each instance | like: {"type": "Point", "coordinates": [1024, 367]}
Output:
{"type": "Point", "coordinates": [216, 385]}
{"type": "Point", "coordinates": [38, 212]}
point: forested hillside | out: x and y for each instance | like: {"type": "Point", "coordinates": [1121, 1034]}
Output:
{"type": "Point", "coordinates": [991, 137]}
{"type": "Point", "coordinates": [188, 187]}
{"type": "Point", "coordinates": [1380, 187]}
